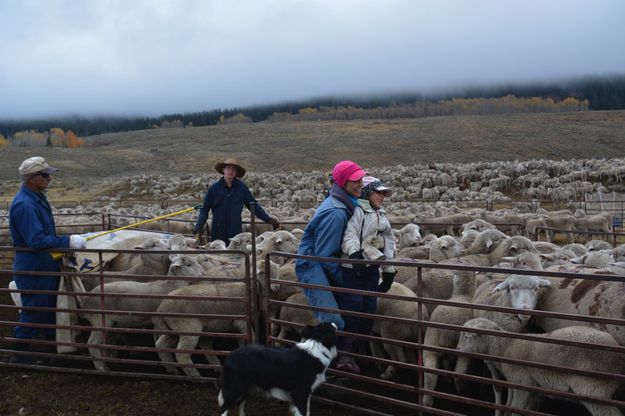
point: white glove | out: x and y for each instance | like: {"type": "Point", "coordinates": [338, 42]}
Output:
{"type": "Point", "coordinates": [76, 241]}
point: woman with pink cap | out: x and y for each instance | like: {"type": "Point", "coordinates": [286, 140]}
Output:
{"type": "Point", "coordinates": [323, 237]}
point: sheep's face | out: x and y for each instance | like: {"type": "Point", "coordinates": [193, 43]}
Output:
{"type": "Point", "coordinates": [522, 292]}
{"type": "Point", "coordinates": [556, 259]}
{"type": "Point", "coordinates": [410, 235]}
{"type": "Point", "coordinates": [240, 241]}
{"type": "Point", "coordinates": [472, 341]}
{"type": "Point", "coordinates": [517, 245]}
{"type": "Point", "coordinates": [152, 244]}
{"type": "Point", "coordinates": [184, 265]}
{"type": "Point", "coordinates": [217, 245]}
{"type": "Point", "coordinates": [449, 247]}
{"type": "Point", "coordinates": [527, 261]}
{"type": "Point", "coordinates": [177, 242]}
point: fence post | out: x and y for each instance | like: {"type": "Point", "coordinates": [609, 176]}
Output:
{"type": "Point", "coordinates": [420, 336]}
{"type": "Point", "coordinates": [254, 284]}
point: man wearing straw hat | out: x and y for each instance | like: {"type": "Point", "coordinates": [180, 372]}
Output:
{"type": "Point", "coordinates": [32, 225]}
{"type": "Point", "coordinates": [226, 198]}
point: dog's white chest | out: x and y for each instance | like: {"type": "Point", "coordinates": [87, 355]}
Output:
{"type": "Point", "coordinates": [320, 379]}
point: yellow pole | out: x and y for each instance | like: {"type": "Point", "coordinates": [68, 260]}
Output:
{"type": "Point", "coordinates": [59, 256]}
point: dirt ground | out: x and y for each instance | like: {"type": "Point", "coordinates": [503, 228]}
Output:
{"type": "Point", "coordinates": [42, 393]}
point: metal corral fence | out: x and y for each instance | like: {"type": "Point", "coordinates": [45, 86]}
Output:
{"type": "Point", "coordinates": [166, 203]}
{"type": "Point", "coordinates": [130, 350]}
{"type": "Point", "coordinates": [613, 203]}
{"type": "Point", "coordinates": [371, 394]}
{"type": "Point", "coordinates": [582, 236]}
{"type": "Point", "coordinates": [124, 337]}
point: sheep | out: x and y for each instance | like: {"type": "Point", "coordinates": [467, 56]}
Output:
{"type": "Point", "coordinates": [486, 242]}
{"type": "Point", "coordinates": [545, 247]}
{"type": "Point", "coordinates": [596, 245]}
{"type": "Point", "coordinates": [582, 358]}
{"type": "Point", "coordinates": [558, 257]}
{"type": "Point", "coordinates": [619, 253]}
{"type": "Point", "coordinates": [241, 241]}
{"type": "Point", "coordinates": [395, 330]}
{"type": "Point", "coordinates": [281, 240]}
{"type": "Point", "coordinates": [517, 292]}
{"type": "Point", "coordinates": [409, 236]}
{"type": "Point", "coordinates": [150, 263]}
{"type": "Point", "coordinates": [464, 288]}
{"type": "Point", "coordinates": [587, 298]}
{"type": "Point", "coordinates": [595, 223]}
{"type": "Point", "coordinates": [594, 259]}
{"type": "Point", "coordinates": [181, 265]}
{"type": "Point", "coordinates": [445, 224]}
{"type": "Point", "coordinates": [511, 223]}
{"type": "Point", "coordinates": [563, 222]}
{"type": "Point", "coordinates": [578, 249]}
{"type": "Point", "coordinates": [445, 248]}
{"type": "Point", "coordinates": [414, 253]}
{"type": "Point", "coordinates": [477, 225]}
{"type": "Point", "coordinates": [468, 237]}
{"type": "Point", "coordinates": [208, 323]}
{"type": "Point", "coordinates": [292, 314]}
{"type": "Point", "coordinates": [217, 245]}
{"type": "Point", "coordinates": [436, 283]}
{"type": "Point", "coordinates": [510, 247]}
{"type": "Point", "coordinates": [535, 227]}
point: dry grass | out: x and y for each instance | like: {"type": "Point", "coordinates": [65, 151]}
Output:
{"type": "Point", "coordinates": [306, 146]}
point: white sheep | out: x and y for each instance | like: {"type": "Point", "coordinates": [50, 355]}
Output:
{"type": "Point", "coordinates": [207, 322]}
{"type": "Point", "coordinates": [217, 245]}
{"type": "Point", "coordinates": [486, 242]}
{"type": "Point", "coordinates": [181, 265]}
{"type": "Point", "coordinates": [464, 289]}
{"type": "Point", "coordinates": [578, 249]}
{"type": "Point", "coordinates": [597, 245]}
{"type": "Point", "coordinates": [584, 297]}
{"type": "Point", "coordinates": [582, 358]}
{"type": "Point", "coordinates": [409, 236]}
{"type": "Point", "coordinates": [280, 240]}
{"type": "Point", "coordinates": [396, 330]}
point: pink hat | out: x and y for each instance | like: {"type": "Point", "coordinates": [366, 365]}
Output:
{"type": "Point", "coordinates": [346, 170]}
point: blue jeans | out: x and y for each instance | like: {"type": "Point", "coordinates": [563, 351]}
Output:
{"type": "Point", "coordinates": [36, 300]}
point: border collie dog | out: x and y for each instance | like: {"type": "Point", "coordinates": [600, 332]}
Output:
{"type": "Point", "coordinates": [288, 374]}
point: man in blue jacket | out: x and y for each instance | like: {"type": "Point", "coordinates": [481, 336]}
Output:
{"type": "Point", "coordinates": [226, 198]}
{"type": "Point", "coordinates": [323, 237]}
{"type": "Point", "coordinates": [32, 225]}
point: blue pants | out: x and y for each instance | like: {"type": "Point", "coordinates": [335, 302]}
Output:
{"type": "Point", "coordinates": [36, 300]}
{"type": "Point", "coordinates": [359, 303]}
{"type": "Point", "coordinates": [312, 272]}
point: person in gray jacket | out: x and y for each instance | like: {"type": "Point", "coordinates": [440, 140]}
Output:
{"type": "Point", "coordinates": [369, 220]}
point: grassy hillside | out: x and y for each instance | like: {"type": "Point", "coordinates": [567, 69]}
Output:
{"type": "Point", "coordinates": [308, 146]}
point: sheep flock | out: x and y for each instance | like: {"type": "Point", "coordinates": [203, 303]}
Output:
{"type": "Point", "coordinates": [542, 318]}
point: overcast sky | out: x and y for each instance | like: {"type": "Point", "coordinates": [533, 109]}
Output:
{"type": "Point", "coordinates": [150, 57]}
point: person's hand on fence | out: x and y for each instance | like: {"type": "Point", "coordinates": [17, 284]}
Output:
{"type": "Point", "coordinates": [387, 281]}
{"type": "Point", "coordinates": [274, 223]}
{"type": "Point", "coordinates": [360, 270]}
{"type": "Point", "coordinates": [76, 241]}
